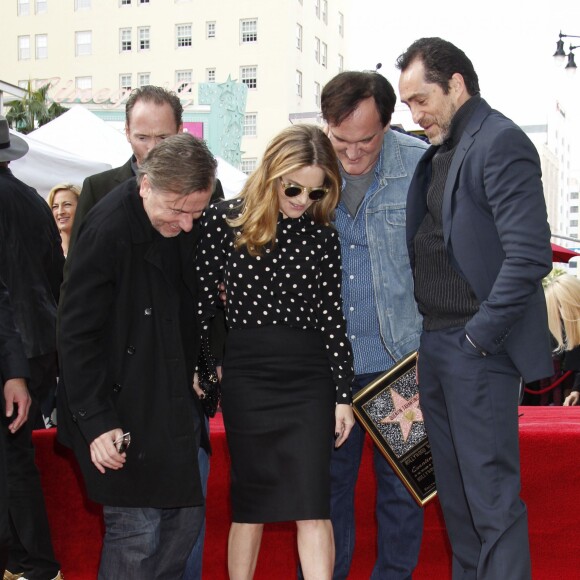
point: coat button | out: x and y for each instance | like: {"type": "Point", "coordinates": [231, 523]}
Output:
{"type": "Point", "coordinates": [148, 311]}
{"type": "Point", "coordinates": [117, 387]}
{"type": "Point", "coordinates": [82, 412]}
{"type": "Point", "coordinates": [131, 349]}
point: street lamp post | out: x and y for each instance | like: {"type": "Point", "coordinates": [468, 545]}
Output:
{"type": "Point", "coordinates": [561, 53]}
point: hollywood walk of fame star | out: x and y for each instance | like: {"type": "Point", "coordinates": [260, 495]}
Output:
{"type": "Point", "coordinates": [405, 413]}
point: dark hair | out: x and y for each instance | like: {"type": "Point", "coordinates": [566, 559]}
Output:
{"type": "Point", "coordinates": [342, 94]}
{"type": "Point", "coordinates": [441, 60]}
{"type": "Point", "coordinates": [157, 95]}
{"type": "Point", "coordinates": [180, 164]}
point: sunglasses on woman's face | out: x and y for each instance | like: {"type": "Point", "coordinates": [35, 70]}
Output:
{"type": "Point", "coordinates": [314, 193]}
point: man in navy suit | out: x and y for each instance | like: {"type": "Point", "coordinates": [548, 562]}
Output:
{"type": "Point", "coordinates": [479, 246]}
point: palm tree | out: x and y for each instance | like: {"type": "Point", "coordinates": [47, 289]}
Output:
{"type": "Point", "coordinates": [33, 110]}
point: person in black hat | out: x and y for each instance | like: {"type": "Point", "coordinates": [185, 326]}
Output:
{"type": "Point", "coordinates": [14, 403]}
{"type": "Point", "coordinates": [31, 263]}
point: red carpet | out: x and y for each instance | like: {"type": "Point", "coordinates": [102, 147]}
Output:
{"type": "Point", "coordinates": [549, 445]}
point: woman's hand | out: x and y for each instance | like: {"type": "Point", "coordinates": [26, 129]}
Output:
{"type": "Point", "coordinates": [344, 423]}
{"type": "Point", "coordinates": [572, 399]}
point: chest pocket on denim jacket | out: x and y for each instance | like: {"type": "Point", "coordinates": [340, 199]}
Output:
{"type": "Point", "coordinates": [388, 230]}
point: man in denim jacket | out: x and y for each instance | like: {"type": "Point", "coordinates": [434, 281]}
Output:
{"type": "Point", "coordinates": [383, 322]}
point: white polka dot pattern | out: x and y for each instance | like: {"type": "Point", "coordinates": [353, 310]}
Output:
{"type": "Point", "coordinates": [296, 283]}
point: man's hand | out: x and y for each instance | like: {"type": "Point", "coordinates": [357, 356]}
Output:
{"type": "Point", "coordinates": [572, 399]}
{"type": "Point", "coordinates": [104, 454]}
{"type": "Point", "coordinates": [16, 393]}
{"type": "Point", "coordinates": [344, 423]}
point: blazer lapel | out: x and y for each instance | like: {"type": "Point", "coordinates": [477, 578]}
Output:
{"type": "Point", "coordinates": [465, 143]}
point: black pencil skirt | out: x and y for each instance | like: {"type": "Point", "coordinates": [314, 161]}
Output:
{"type": "Point", "coordinates": [278, 401]}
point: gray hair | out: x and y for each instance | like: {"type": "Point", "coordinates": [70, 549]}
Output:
{"type": "Point", "coordinates": [179, 164]}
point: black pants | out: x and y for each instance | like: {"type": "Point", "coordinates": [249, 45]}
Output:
{"type": "Point", "coordinates": [30, 546]}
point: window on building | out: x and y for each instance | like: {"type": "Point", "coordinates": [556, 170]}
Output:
{"type": "Point", "coordinates": [248, 165]}
{"type": "Point", "coordinates": [23, 47]}
{"type": "Point", "coordinates": [210, 75]}
{"type": "Point", "coordinates": [41, 6]}
{"type": "Point", "coordinates": [574, 209]}
{"type": "Point", "coordinates": [573, 223]}
{"type": "Point", "coordinates": [125, 43]}
{"type": "Point", "coordinates": [325, 11]}
{"type": "Point", "coordinates": [317, 93]}
{"type": "Point", "coordinates": [317, 49]}
{"type": "Point", "coordinates": [183, 80]}
{"type": "Point", "coordinates": [317, 8]}
{"type": "Point", "coordinates": [41, 42]}
{"type": "Point", "coordinates": [183, 35]}
{"type": "Point", "coordinates": [299, 36]}
{"type": "Point", "coordinates": [23, 7]}
{"type": "Point", "coordinates": [125, 82]}
{"type": "Point", "coordinates": [249, 30]}
{"type": "Point", "coordinates": [210, 29]}
{"type": "Point", "coordinates": [143, 1]}
{"type": "Point", "coordinates": [144, 79]}
{"type": "Point", "coordinates": [298, 83]}
{"type": "Point", "coordinates": [573, 195]}
{"type": "Point", "coordinates": [84, 83]}
{"type": "Point", "coordinates": [324, 55]}
{"type": "Point", "coordinates": [250, 128]}
{"type": "Point", "coordinates": [125, 2]}
{"type": "Point", "coordinates": [84, 43]}
{"type": "Point", "coordinates": [249, 76]}
{"type": "Point", "coordinates": [340, 63]}
{"type": "Point", "coordinates": [82, 4]}
{"type": "Point", "coordinates": [341, 24]}
{"type": "Point", "coordinates": [144, 33]}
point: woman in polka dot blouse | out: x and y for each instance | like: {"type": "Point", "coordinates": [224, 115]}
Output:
{"type": "Point", "coordinates": [287, 369]}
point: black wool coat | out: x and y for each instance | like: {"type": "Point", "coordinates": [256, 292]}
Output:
{"type": "Point", "coordinates": [31, 263]}
{"type": "Point", "coordinates": [128, 357]}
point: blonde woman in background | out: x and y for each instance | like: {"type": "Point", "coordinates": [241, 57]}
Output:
{"type": "Point", "coordinates": [562, 292]}
{"type": "Point", "coordinates": [63, 199]}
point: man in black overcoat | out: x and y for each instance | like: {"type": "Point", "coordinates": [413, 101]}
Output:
{"type": "Point", "coordinates": [128, 342]}
{"type": "Point", "coordinates": [31, 263]}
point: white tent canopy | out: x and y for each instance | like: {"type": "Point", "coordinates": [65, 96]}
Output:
{"type": "Point", "coordinates": [83, 134]}
{"type": "Point", "coordinates": [232, 179]}
{"type": "Point", "coordinates": [45, 166]}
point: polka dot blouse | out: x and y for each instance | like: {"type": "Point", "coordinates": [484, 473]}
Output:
{"type": "Point", "coordinates": [296, 283]}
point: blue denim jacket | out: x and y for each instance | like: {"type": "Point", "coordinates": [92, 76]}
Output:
{"type": "Point", "coordinates": [399, 319]}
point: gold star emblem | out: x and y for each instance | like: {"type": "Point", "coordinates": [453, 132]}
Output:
{"type": "Point", "coordinates": [405, 413]}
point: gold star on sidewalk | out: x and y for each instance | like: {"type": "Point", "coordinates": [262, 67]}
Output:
{"type": "Point", "coordinates": [405, 413]}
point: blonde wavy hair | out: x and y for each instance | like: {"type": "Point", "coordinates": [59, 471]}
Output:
{"type": "Point", "coordinates": [60, 187]}
{"type": "Point", "coordinates": [562, 292]}
{"type": "Point", "coordinates": [296, 147]}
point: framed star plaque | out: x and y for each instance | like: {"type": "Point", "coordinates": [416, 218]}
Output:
{"type": "Point", "coordinates": [389, 410]}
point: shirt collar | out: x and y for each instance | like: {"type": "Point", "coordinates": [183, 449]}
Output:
{"type": "Point", "coordinates": [460, 120]}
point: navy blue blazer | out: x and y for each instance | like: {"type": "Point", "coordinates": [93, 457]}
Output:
{"type": "Point", "coordinates": [497, 235]}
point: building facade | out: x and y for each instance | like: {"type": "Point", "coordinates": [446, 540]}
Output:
{"type": "Point", "coordinates": [561, 174]}
{"type": "Point", "coordinates": [95, 51]}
